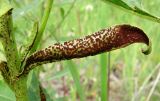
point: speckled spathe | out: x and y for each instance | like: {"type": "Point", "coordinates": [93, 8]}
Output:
{"type": "Point", "coordinates": [104, 40]}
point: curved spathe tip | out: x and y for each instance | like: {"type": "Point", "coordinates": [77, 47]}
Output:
{"type": "Point", "coordinates": [130, 34]}
{"type": "Point", "coordinates": [148, 50]}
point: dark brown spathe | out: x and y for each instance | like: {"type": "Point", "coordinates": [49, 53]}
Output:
{"type": "Point", "coordinates": [102, 41]}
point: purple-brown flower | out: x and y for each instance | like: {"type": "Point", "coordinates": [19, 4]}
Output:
{"type": "Point", "coordinates": [105, 40]}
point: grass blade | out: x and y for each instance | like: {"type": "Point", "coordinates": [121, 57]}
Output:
{"type": "Point", "coordinates": [43, 25]}
{"type": "Point", "coordinates": [75, 75]}
{"type": "Point", "coordinates": [153, 87]}
{"type": "Point", "coordinates": [104, 77]}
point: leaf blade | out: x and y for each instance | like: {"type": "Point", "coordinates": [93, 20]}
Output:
{"type": "Point", "coordinates": [134, 9]}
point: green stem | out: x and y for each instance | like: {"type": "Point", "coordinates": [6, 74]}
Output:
{"type": "Point", "coordinates": [43, 25]}
{"type": "Point", "coordinates": [108, 74]}
{"type": "Point", "coordinates": [20, 89]}
{"type": "Point", "coordinates": [104, 77]}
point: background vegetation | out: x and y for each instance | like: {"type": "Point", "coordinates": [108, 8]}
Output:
{"type": "Point", "coordinates": [133, 76]}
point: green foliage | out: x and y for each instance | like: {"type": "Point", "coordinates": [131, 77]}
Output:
{"type": "Point", "coordinates": [134, 9]}
{"type": "Point", "coordinates": [8, 41]}
{"type": "Point", "coordinates": [33, 87]}
{"type": "Point", "coordinates": [5, 93]}
{"type": "Point", "coordinates": [5, 6]}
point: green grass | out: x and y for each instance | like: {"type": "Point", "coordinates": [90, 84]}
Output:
{"type": "Point", "coordinates": [76, 77]}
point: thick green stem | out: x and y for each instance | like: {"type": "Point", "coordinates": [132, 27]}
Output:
{"type": "Point", "coordinates": [8, 41]}
{"type": "Point", "coordinates": [20, 89]}
{"type": "Point", "coordinates": [18, 86]}
{"type": "Point", "coordinates": [11, 68]}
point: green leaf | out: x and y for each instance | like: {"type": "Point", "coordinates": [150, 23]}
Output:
{"type": "Point", "coordinates": [8, 41]}
{"type": "Point", "coordinates": [146, 14]}
{"type": "Point", "coordinates": [33, 87]}
{"type": "Point", "coordinates": [133, 3]}
{"type": "Point", "coordinates": [133, 8]}
{"type": "Point", "coordinates": [4, 7]}
{"type": "Point", "coordinates": [5, 93]}
{"type": "Point", "coordinates": [119, 3]}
